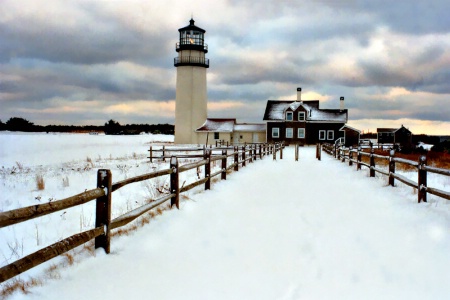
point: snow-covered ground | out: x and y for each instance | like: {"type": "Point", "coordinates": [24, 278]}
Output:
{"type": "Point", "coordinates": [274, 230]}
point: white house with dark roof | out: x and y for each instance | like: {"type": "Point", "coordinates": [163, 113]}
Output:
{"type": "Point", "coordinates": [228, 131]}
{"type": "Point", "coordinates": [300, 121]}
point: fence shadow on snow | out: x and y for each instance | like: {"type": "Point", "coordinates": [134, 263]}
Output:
{"type": "Point", "coordinates": [231, 159]}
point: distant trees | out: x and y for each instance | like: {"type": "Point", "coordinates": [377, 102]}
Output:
{"type": "Point", "coordinates": [112, 127]}
{"type": "Point", "coordinates": [19, 124]}
{"type": "Point", "coordinates": [442, 147]}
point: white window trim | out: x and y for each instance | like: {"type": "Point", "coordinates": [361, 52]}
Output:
{"type": "Point", "coordinates": [304, 116]}
{"type": "Point", "coordinates": [275, 132]}
{"type": "Point", "coordinates": [322, 138]}
{"type": "Point", "coordinates": [292, 133]}
{"type": "Point", "coordinates": [290, 113]}
{"type": "Point", "coordinates": [332, 135]}
{"type": "Point", "coordinates": [298, 133]}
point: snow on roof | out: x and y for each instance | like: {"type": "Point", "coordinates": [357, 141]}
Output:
{"type": "Point", "coordinates": [349, 127]}
{"type": "Point", "coordinates": [244, 127]}
{"type": "Point", "coordinates": [275, 110]}
{"type": "Point", "coordinates": [295, 105]}
{"type": "Point", "coordinates": [230, 125]}
{"type": "Point", "coordinates": [217, 125]}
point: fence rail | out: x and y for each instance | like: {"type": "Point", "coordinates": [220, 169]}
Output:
{"type": "Point", "coordinates": [343, 153]}
{"type": "Point", "coordinates": [103, 195]}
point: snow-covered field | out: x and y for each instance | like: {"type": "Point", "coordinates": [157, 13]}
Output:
{"type": "Point", "coordinates": [274, 230]}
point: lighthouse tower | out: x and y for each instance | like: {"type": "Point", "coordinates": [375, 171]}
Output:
{"type": "Point", "coordinates": [191, 99]}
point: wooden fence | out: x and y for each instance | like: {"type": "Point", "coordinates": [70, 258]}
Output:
{"type": "Point", "coordinates": [349, 154]}
{"type": "Point", "coordinates": [103, 195]}
{"type": "Point", "coordinates": [163, 152]}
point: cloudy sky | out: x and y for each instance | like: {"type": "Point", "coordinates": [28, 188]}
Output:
{"type": "Point", "coordinates": [85, 62]}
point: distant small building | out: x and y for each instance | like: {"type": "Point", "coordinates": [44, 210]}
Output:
{"type": "Point", "coordinates": [351, 136]}
{"type": "Point", "coordinates": [303, 122]}
{"type": "Point", "coordinates": [228, 131]}
{"type": "Point", "coordinates": [396, 136]}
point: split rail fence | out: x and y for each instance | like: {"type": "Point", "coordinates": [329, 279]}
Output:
{"type": "Point", "coordinates": [355, 156]}
{"type": "Point", "coordinates": [103, 196]}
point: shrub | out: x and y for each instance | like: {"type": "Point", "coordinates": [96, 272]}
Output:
{"type": "Point", "coordinates": [40, 184]}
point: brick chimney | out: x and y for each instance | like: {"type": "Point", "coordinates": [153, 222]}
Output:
{"type": "Point", "coordinates": [341, 107]}
{"type": "Point", "coordinates": [299, 94]}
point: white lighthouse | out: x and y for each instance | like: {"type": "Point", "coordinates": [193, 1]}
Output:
{"type": "Point", "coordinates": [191, 98]}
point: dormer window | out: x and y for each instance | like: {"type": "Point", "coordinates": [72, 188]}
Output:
{"type": "Point", "coordinates": [289, 116]}
{"type": "Point", "coordinates": [301, 116]}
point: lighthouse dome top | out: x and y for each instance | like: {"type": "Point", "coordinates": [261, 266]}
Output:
{"type": "Point", "coordinates": [192, 27]}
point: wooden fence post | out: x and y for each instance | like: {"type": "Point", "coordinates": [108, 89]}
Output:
{"type": "Point", "coordinates": [164, 153]}
{"type": "Point", "coordinates": [281, 151]}
{"type": "Point", "coordinates": [296, 152]}
{"type": "Point", "coordinates": [319, 147]}
{"type": "Point", "coordinates": [422, 180]}
{"type": "Point", "coordinates": [236, 158]}
{"type": "Point", "coordinates": [274, 152]}
{"type": "Point", "coordinates": [343, 153]}
{"type": "Point", "coordinates": [208, 170]}
{"type": "Point", "coordinates": [103, 209]}
{"type": "Point", "coordinates": [350, 156]}
{"type": "Point", "coordinates": [151, 154]}
{"type": "Point", "coordinates": [223, 176]}
{"type": "Point", "coordinates": [174, 182]}
{"type": "Point", "coordinates": [337, 153]}
{"type": "Point", "coordinates": [358, 159]}
{"type": "Point", "coordinates": [254, 151]}
{"type": "Point", "coordinates": [250, 153]}
{"type": "Point", "coordinates": [317, 150]}
{"type": "Point", "coordinates": [372, 163]}
{"type": "Point", "coordinates": [391, 167]}
{"type": "Point", "coordinates": [243, 156]}
{"type": "Point", "coordinates": [260, 151]}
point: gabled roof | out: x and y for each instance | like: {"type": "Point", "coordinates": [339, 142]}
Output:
{"type": "Point", "coordinates": [246, 127]}
{"type": "Point", "coordinates": [230, 125]}
{"type": "Point", "coordinates": [350, 128]}
{"type": "Point", "coordinates": [275, 110]}
{"type": "Point", "coordinates": [403, 127]}
{"type": "Point", "coordinates": [386, 129]}
{"type": "Point", "coordinates": [217, 125]}
{"type": "Point", "coordinates": [391, 129]}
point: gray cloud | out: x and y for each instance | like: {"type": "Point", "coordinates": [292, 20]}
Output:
{"type": "Point", "coordinates": [121, 52]}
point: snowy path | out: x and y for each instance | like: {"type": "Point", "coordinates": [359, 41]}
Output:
{"type": "Point", "coordinates": [277, 230]}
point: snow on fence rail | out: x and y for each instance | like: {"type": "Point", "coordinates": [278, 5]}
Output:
{"type": "Point", "coordinates": [256, 149]}
{"type": "Point", "coordinates": [343, 153]}
{"type": "Point", "coordinates": [103, 195]}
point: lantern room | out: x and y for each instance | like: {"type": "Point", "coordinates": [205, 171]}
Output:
{"type": "Point", "coordinates": [192, 38]}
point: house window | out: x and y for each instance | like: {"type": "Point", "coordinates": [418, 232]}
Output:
{"type": "Point", "coordinates": [289, 116]}
{"type": "Point", "coordinates": [301, 133]}
{"type": "Point", "coordinates": [289, 133]}
{"type": "Point", "coordinates": [330, 135]}
{"type": "Point", "coordinates": [275, 132]}
{"type": "Point", "coordinates": [301, 116]}
{"type": "Point", "coordinates": [322, 134]}
{"type": "Point", "coordinates": [216, 135]}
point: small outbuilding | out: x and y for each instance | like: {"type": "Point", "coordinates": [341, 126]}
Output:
{"type": "Point", "coordinates": [351, 136]}
{"type": "Point", "coordinates": [396, 136]}
{"type": "Point", "coordinates": [229, 132]}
